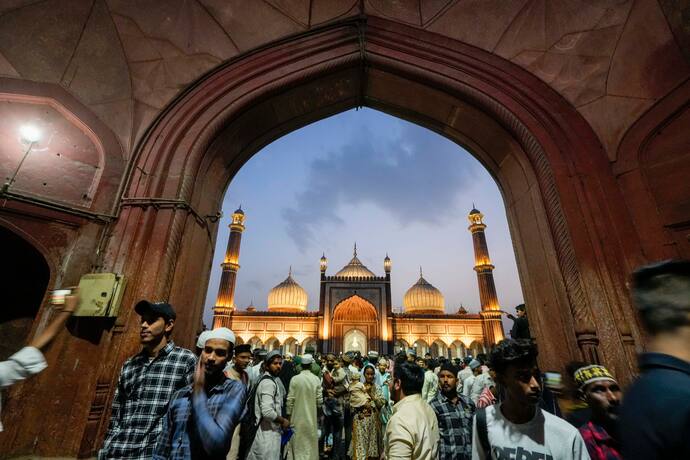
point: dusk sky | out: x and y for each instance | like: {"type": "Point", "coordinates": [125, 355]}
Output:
{"type": "Point", "coordinates": [366, 177]}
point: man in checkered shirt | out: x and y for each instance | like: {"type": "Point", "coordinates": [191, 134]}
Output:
{"type": "Point", "coordinates": [147, 382]}
{"type": "Point", "coordinates": [454, 413]}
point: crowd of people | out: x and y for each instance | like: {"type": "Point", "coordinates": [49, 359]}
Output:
{"type": "Point", "coordinates": [228, 401]}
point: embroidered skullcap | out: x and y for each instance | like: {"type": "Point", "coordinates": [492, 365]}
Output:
{"type": "Point", "coordinates": [348, 357]}
{"type": "Point", "coordinates": [474, 364]}
{"type": "Point", "coordinates": [270, 355]}
{"type": "Point", "coordinates": [307, 359]}
{"type": "Point", "coordinates": [594, 373]}
{"type": "Point", "coordinates": [220, 333]}
{"type": "Point", "coordinates": [201, 341]}
{"type": "Point", "coordinates": [383, 361]}
{"type": "Point", "coordinates": [373, 355]}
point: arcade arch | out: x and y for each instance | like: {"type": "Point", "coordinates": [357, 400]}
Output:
{"type": "Point", "coordinates": [457, 349]}
{"type": "Point", "coordinates": [290, 345]}
{"type": "Point", "coordinates": [272, 344]}
{"type": "Point", "coordinates": [420, 347]}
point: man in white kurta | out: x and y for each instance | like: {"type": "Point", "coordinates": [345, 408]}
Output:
{"type": "Point", "coordinates": [304, 399]}
{"type": "Point", "coordinates": [268, 406]}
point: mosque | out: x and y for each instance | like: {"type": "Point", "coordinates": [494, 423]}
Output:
{"type": "Point", "coordinates": [355, 311]}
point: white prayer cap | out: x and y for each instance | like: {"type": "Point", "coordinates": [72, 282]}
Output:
{"type": "Point", "coordinates": [307, 359]}
{"type": "Point", "coordinates": [201, 341]}
{"type": "Point", "coordinates": [220, 333]}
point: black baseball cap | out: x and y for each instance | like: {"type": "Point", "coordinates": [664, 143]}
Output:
{"type": "Point", "coordinates": [163, 309]}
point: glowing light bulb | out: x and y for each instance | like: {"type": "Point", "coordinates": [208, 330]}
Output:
{"type": "Point", "coordinates": [30, 133]}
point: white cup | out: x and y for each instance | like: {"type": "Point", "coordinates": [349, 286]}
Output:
{"type": "Point", "coordinates": [57, 297]}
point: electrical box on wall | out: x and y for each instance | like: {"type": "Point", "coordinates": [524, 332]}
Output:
{"type": "Point", "coordinates": [100, 294]}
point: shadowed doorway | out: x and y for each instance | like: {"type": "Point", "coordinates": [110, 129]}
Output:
{"type": "Point", "coordinates": [23, 288]}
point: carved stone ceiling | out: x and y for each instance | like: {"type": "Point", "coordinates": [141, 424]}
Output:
{"type": "Point", "coordinates": [126, 59]}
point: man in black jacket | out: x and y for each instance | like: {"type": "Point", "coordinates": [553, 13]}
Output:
{"type": "Point", "coordinates": [520, 328]}
{"type": "Point", "coordinates": [655, 416]}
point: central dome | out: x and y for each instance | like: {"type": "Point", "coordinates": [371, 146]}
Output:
{"type": "Point", "coordinates": [355, 269]}
{"type": "Point", "coordinates": [422, 297]}
{"type": "Point", "coordinates": [287, 296]}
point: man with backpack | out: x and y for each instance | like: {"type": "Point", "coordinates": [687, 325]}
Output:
{"type": "Point", "coordinates": [262, 427]}
{"type": "Point", "coordinates": [517, 427]}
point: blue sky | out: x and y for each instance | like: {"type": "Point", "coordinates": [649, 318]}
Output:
{"type": "Point", "coordinates": [364, 176]}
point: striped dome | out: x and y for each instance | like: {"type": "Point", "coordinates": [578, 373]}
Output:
{"type": "Point", "coordinates": [423, 298]}
{"type": "Point", "coordinates": [287, 296]}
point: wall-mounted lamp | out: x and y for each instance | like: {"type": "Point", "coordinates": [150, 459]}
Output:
{"type": "Point", "coordinates": [29, 135]}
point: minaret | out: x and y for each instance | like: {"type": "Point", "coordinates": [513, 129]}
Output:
{"type": "Point", "coordinates": [493, 328]}
{"type": "Point", "coordinates": [225, 302]}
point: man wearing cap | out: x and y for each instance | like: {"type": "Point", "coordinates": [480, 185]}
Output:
{"type": "Point", "coordinates": [202, 416]}
{"type": "Point", "coordinates": [146, 384]}
{"type": "Point", "coordinates": [268, 409]}
{"type": "Point", "coordinates": [304, 399]}
{"type": "Point", "coordinates": [602, 394]}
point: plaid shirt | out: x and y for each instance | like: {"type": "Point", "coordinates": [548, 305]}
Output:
{"type": "Point", "coordinates": [455, 426]}
{"type": "Point", "coordinates": [141, 400]}
{"type": "Point", "coordinates": [600, 445]}
{"type": "Point", "coordinates": [200, 426]}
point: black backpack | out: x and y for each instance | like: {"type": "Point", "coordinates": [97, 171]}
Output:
{"type": "Point", "coordinates": [249, 423]}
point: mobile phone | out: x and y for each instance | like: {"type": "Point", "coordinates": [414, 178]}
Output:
{"type": "Point", "coordinates": [57, 297]}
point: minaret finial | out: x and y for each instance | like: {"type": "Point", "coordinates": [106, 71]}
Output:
{"type": "Point", "coordinates": [290, 271]}
{"type": "Point", "coordinates": [420, 272]}
{"type": "Point", "coordinates": [473, 206]}
{"type": "Point", "coordinates": [240, 208]}
{"type": "Point", "coordinates": [355, 249]}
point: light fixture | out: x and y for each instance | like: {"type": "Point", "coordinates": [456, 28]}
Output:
{"type": "Point", "coordinates": [30, 133]}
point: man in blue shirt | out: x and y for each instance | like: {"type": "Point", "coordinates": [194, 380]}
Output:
{"type": "Point", "coordinates": [202, 417]}
{"type": "Point", "coordinates": [655, 416]}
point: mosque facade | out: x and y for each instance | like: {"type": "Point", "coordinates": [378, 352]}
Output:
{"type": "Point", "coordinates": [356, 312]}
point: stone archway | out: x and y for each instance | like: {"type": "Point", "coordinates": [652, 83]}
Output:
{"type": "Point", "coordinates": [349, 316]}
{"type": "Point", "coordinates": [544, 156]}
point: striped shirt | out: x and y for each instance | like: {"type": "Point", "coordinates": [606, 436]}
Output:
{"type": "Point", "coordinates": [199, 425]}
{"type": "Point", "coordinates": [141, 400]}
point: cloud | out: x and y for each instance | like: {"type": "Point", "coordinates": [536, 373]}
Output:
{"type": "Point", "coordinates": [416, 177]}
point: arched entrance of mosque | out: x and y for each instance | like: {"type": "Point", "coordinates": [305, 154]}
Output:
{"type": "Point", "coordinates": [544, 156]}
{"type": "Point", "coordinates": [354, 324]}
{"type": "Point", "coordinates": [23, 289]}
{"type": "Point", "coordinates": [355, 340]}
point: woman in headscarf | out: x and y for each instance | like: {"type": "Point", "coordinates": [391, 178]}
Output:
{"type": "Point", "coordinates": [384, 377]}
{"type": "Point", "coordinates": [366, 402]}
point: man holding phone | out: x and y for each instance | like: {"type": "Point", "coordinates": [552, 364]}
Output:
{"type": "Point", "coordinates": [147, 382]}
